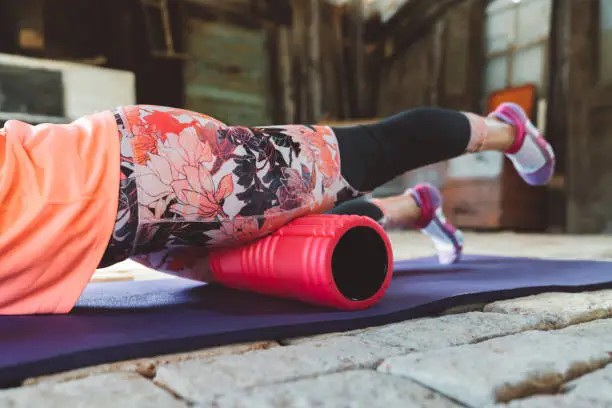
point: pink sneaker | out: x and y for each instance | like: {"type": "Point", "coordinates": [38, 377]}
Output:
{"type": "Point", "coordinates": [447, 239]}
{"type": "Point", "coordinates": [532, 156]}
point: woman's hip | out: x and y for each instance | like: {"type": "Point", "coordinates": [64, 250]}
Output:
{"type": "Point", "coordinates": [188, 179]}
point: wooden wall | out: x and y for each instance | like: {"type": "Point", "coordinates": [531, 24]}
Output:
{"type": "Point", "coordinates": [326, 69]}
{"type": "Point", "coordinates": [581, 113]}
{"type": "Point", "coordinates": [272, 61]}
{"type": "Point", "coordinates": [228, 67]}
{"type": "Point", "coordinates": [439, 62]}
{"type": "Point", "coordinates": [227, 72]}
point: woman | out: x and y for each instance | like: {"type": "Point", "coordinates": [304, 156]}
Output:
{"type": "Point", "coordinates": [161, 185]}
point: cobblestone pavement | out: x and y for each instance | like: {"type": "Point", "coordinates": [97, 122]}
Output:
{"type": "Point", "coordinates": [550, 350]}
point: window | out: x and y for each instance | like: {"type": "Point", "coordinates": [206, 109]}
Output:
{"type": "Point", "coordinates": [516, 36]}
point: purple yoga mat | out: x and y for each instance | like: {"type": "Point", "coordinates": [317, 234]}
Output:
{"type": "Point", "coordinates": [126, 320]}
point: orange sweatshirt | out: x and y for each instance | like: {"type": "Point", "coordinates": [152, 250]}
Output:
{"type": "Point", "coordinates": [59, 187]}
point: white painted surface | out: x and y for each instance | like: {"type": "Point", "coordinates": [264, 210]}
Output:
{"type": "Point", "coordinates": [499, 29]}
{"type": "Point", "coordinates": [87, 89]}
{"type": "Point", "coordinates": [533, 21]}
{"type": "Point", "coordinates": [528, 67]}
{"type": "Point", "coordinates": [483, 165]}
{"type": "Point", "coordinates": [496, 71]}
{"type": "Point", "coordinates": [542, 111]}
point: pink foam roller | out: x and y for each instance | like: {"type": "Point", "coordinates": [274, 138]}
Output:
{"type": "Point", "coordinates": [339, 261]}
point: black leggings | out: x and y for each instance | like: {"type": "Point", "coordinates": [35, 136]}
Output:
{"type": "Point", "coordinates": [359, 206]}
{"type": "Point", "coordinates": [373, 154]}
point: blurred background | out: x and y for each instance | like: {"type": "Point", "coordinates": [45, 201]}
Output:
{"type": "Point", "coordinates": [254, 62]}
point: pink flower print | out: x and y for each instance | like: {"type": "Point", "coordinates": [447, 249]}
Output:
{"type": "Point", "coordinates": [154, 180]}
{"type": "Point", "coordinates": [242, 136]}
{"type": "Point", "coordinates": [174, 155]}
{"type": "Point", "coordinates": [301, 136]}
{"type": "Point", "coordinates": [198, 196]}
{"type": "Point", "coordinates": [143, 144]}
{"type": "Point", "coordinates": [275, 217]}
{"type": "Point", "coordinates": [316, 149]}
{"type": "Point", "coordinates": [238, 230]}
{"type": "Point", "coordinates": [185, 149]}
{"type": "Point", "coordinates": [296, 190]}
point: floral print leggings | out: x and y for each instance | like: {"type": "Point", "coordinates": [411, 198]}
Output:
{"type": "Point", "coordinates": [190, 183]}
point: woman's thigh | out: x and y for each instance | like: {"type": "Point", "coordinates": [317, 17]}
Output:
{"type": "Point", "coordinates": [202, 183]}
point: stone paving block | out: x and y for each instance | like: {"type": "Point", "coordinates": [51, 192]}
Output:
{"type": "Point", "coordinates": [596, 385]}
{"type": "Point", "coordinates": [452, 330]}
{"type": "Point", "coordinates": [320, 337]}
{"type": "Point", "coordinates": [600, 330]}
{"type": "Point", "coordinates": [559, 309]}
{"type": "Point", "coordinates": [590, 390]}
{"type": "Point", "coordinates": [147, 367]}
{"type": "Point", "coordinates": [103, 391]}
{"type": "Point", "coordinates": [444, 331]}
{"type": "Point", "coordinates": [197, 380]}
{"type": "Point", "coordinates": [553, 401]}
{"type": "Point", "coordinates": [503, 369]}
{"type": "Point", "coordinates": [355, 389]}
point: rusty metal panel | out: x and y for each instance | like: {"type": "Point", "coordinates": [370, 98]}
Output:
{"type": "Point", "coordinates": [226, 75]}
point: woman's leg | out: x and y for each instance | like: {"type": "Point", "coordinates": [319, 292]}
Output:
{"type": "Point", "coordinates": [419, 208]}
{"type": "Point", "coordinates": [372, 155]}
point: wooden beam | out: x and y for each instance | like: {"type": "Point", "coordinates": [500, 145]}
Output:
{"type": "Point", "coordinates": [356, 17]}
{"type": "Point", "coordinates": [299, 60]}
{"type": "Point", "coordinates": [577, 19]}
{"type": "Point", "coordinates": [314, 59]}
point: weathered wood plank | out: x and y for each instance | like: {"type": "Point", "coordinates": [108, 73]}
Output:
{"type": "Point", "coordinates": [314, 56]}
{"type": "Point", "coordinates": [228, 74]}
{"type": "Point", "coordinates": [587, 172]}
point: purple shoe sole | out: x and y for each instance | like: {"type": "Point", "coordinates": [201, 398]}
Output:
{"type": "Point", "coordinates": [542, 176]}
